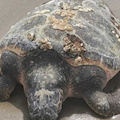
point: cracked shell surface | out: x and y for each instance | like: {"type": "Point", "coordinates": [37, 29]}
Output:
{"type": "Point", "coordinates": [87, 25]}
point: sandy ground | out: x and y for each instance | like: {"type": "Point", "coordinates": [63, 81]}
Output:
{"type": "Point", "coordinates": [15, 108]}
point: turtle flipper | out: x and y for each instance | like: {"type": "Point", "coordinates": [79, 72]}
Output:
{"type": "Point", "coordinates": [9, 73]}
{"type": "Point", "coordinates": [104, 104]}
{"type": "Point", "coordinates": [6, 87]}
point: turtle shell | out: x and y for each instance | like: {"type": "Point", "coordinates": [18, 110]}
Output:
{"type": "Point", "coordinates": [80, 31]}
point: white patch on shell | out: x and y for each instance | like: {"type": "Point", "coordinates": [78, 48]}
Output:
{"type": "Point", "coordinates": [65, 6]}
{"type": "Point", "coordinates": [117, 36]}
{"type": "Point", "coordinates": [78, 60]}
{"type": "Point", "coordinates": [113, 32]}
{"type": "Point", "coordinates": [83, 8]}
{"type": "Point", "coordinates": [66, 48]}
{"type": "Point", "coordinates": [78, 24]}
{"type": "Point", "coordinates": [118, 40]}
{"type": "Point", "coordinates": [43, 92]}
{"type": "Point", "coordinates": [42, 12]}
{"type": "Point", "coordinates": [45, 44]}
{"type": "Point", "coordinates": [86, 9]}
{"type": "Point", "coordinates": [31, 36]}
{"type": "Point", "coordinates": [28, 13]}
{"type": "Point", "coordinates": [77, 7]}
{"type": "Point", "coordinates": [31, 62]}
{"type": "Point", "coordinates": [81, 44]}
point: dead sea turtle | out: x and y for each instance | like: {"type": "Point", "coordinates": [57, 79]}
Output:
{"type": "Point", "coordinates": [64, 48]}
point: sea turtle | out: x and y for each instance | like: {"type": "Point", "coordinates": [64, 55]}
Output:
{"type": "Point", "coordinates": [64, 48]}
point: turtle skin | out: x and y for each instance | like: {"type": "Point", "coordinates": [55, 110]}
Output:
{"type": "Point", "coordinates": [64, 48]}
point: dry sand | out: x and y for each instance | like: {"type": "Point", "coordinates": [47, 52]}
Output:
{"type": "Point", "coordinates": [12, 11]}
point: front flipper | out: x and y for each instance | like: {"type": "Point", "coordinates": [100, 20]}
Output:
{"type": "Point", "coordinates": [102, 103]}
{"type": "Point", "coordinates": [10, 64]}
{"type": "Point", "coordinates": [7, 85]}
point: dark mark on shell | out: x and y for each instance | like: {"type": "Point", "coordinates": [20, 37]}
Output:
{"type": "Point", "coordinates": [73, 46]}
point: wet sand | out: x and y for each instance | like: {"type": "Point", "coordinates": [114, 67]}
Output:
{"type": "Point", "coordinates": [16, 107]}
